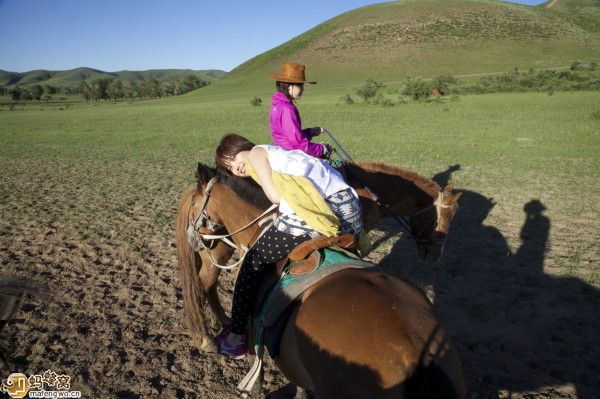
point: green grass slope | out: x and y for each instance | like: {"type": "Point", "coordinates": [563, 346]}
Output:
{"type": "Point", "coordinates": [74, 76]}
{"type": "Point", "coordinates": [583, 13]}
{"type": "Point", "coordinates": [389, 41]}
{"type": "Point", "coordinates": [36, 76]}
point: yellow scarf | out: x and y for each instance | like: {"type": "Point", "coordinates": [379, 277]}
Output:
{"type": "Point", "coordinates": [305, 200]}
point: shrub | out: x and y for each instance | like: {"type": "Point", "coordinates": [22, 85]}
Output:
{"type": "Point", "coordinates": [369, 90]}
{"type": "Point", "coordinates": [347, 99]}
{"type": "Point", "coordinates": [256, 101]}
{"type": "Point", "coordinates": [417, 88]}
{"type": "Point", "coordinates": [576, 66]}
{"type": "Point", "coordinates": [441, 83]}
{"type": "Point", "coordinates": [593, 66]}
{"type": "Point", "coordinates": [384, 102]}
{"type": "Point", "coordinates": [529, 83]}
{"type": "Point", "coordinates": [436, 100]}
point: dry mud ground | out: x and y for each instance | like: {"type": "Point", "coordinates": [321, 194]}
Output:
{"type": "Point", "coordinates": [518, 296]}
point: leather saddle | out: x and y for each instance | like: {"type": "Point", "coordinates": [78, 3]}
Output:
{"type": "Point", "coordinates": [305, 257]}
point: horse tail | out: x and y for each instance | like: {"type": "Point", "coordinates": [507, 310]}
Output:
{"type": "Point", "coordinates": [189, 266]}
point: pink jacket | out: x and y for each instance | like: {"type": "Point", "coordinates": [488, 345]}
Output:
{"type": "Point", "coordinates": [286, 127]}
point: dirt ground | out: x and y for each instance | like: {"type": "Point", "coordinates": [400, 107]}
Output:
{"type": "Point", "coordinates": [518, 301]}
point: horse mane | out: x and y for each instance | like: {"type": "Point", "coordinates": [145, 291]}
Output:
{"type": "Point", "coordinates": [244, 187]}
{"type": "Point", "coordinates": [425, 184]}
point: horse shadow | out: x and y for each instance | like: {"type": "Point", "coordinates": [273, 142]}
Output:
{"type": "Point", "coordinates": [516, 328]}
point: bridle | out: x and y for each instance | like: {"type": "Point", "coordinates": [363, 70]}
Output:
{"type": "Point", "coordinates": [199, 240]}
{"type": "Point", "coordinates": [439, 205]}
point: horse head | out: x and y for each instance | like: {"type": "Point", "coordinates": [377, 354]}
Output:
{"type": "Point", "coordinates": [431, 225]}
{"type": "Point", "coordinates": [227, 202]}
{"type": "Point", "coordinates": [199, 218]}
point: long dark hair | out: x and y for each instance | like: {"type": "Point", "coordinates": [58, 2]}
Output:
{"type": "Point", "coordinates": [230, 145]}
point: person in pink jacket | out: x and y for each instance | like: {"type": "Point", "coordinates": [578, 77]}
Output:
{"type": "Point", "coordinates": [286, 126]}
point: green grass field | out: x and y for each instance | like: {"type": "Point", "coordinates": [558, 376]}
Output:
{"type": "Point", "coordinates": [530, 132]}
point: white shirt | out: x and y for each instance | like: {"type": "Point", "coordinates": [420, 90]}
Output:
{"type": "Point", "coordinates": [323, 176]}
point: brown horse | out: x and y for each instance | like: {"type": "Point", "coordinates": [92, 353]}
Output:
{"type": "Point", "coordinates": [429, 208]}
{"type": "Point", "coordinates": [356, 333]}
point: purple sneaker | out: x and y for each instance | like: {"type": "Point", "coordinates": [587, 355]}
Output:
{"type": "Point", "coordinates": [234, 351]}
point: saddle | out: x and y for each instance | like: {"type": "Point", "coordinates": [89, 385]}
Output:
{"type": "Point", "coordinates": [306, 257]}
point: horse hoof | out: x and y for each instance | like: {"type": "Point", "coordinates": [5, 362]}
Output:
{"type": "Point", "coordinates": [204, 344]}
{"type": "Point", "coordinates": [208, 345]}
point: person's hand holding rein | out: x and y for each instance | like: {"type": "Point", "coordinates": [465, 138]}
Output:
{"type": "Point", "coordinates": [316, 131]}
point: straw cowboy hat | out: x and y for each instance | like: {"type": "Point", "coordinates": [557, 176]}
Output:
{"type": "Point", "coordinates": [291, 72]}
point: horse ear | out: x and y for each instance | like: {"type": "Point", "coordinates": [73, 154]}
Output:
{"type": "Point", "coordinates": [448, 189]}
{"type": "Point", "coordinates": [203, 174]}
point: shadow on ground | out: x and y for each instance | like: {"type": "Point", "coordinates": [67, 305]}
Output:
{"type": "Point", "coordinates": [517, 328]}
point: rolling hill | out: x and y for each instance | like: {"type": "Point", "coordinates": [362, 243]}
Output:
{"type": "Point", "coordinates": [390, 41]}
{"type": "Point", "coordinates": [74, 76]}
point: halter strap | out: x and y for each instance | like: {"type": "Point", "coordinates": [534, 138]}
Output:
{"type": "Point", "coordinates": [262, 219]}
{"type": "Point", "coordinates": [439, 205]}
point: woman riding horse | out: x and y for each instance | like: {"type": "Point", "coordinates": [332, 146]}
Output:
{"type": "Point", "coordinates": [284, 118]}
{"type": "Point", "coordinates": [313, 200]}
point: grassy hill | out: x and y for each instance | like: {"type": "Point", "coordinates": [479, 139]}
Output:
{"type": "Point", "coordinates": [74, 76]}
{"type": "Point", "coordinates": [390, 41]}
{"type": "Point", "coordinates": [583, 13]}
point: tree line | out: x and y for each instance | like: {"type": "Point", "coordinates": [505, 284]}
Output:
{"type": "Point", "coordinates": [108, 89]}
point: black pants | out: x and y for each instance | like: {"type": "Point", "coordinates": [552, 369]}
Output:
{"type": "Point", "coordinates": [272, 246]}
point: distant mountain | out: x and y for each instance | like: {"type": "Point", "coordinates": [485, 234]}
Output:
{"type": "Point", "coordinates": [74, 76]}
{"type": "Point", "coordinates": [393, 40]}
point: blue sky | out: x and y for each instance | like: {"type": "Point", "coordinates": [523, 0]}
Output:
{"type": "Point", "coordinates": [115, 35]}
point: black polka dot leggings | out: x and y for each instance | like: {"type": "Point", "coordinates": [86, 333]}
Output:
{"type": "Point", "coordinates": [272, 246]}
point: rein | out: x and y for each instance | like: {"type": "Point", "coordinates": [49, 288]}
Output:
{"type": "Point", "coordinates": [438, 203]}
{"type": "Point", "coordinates": [198, 240]}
